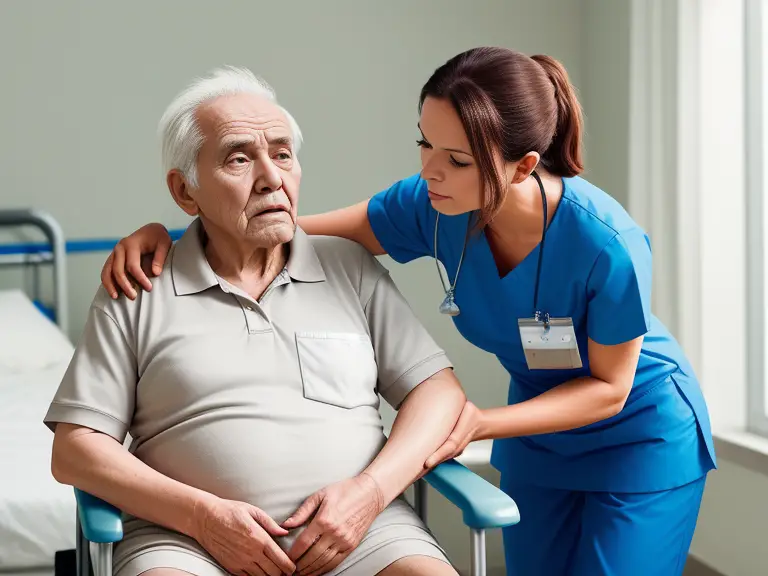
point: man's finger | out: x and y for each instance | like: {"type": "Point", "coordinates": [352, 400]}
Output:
{"type": "Point", "coordinates": [267, 522]}
{"type": "Point", "coordinates": [304, 512]}
{"type": "Point", "coordinates": [305, 541]}
{"type": "Point", "coordinates": [334, 562]}
{"type": "Point", "coordinates": [269, 567]}
{"type": "Point", "coordinates": [317, 556]}
{"type": "Point", "coordinates": [255, 570]}
{"type": "Point", "coordinates": [279, 558]}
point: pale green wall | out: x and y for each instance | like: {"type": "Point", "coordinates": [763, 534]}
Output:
{"type": "Point", "coordinates": [605, 94]}
{"type": "Point", "coordinates": [84, 84]}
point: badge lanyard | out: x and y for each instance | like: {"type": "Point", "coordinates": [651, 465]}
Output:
{"type": "Point", "coordinates": [548, 343]}
{"type": "Point", "coordinates": [537, 314]}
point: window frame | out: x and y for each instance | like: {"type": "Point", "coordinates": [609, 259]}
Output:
{"type": "Point", "coordinates": [756, 133]}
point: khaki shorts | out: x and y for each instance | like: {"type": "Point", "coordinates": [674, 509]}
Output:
{"type": "Point", "coordinates": [395, 534]}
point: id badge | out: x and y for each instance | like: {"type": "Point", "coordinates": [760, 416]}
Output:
{"type": "Point", "coordinates": [549, 347]}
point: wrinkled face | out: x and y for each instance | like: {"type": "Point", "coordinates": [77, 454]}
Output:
{"type": "Point", "coordinates": [447, 164]}
{"type": "Point", "coordinates": [248, 177]}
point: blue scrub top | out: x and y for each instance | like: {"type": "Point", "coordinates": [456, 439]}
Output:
{"type": "Point", "coordinates": [596, 270]}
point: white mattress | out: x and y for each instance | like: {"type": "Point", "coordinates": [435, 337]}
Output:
{"type": "Point", "coordinates": [37, 514]}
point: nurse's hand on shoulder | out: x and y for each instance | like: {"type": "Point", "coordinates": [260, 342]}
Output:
{"type": "Point", "coordinates": [241, 538]}
{"type": "Point", "coordinates": [465, 431]}
{"type": "Point", "coordinates": [343, 512]}
{"type": "Point", "coordinates": [126, 257]}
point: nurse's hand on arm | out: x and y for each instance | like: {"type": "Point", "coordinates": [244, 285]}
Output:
{"type": "Point", "coordinates": [126, 259]}
{"type": "Point", "coordinates": [238, 535]}
{"type": "Point", "coordinates": [570, 405]}
{"type": "Point", "coordinates": [345, 511]}
{"type": "Point", "coordinates": [153, 239]}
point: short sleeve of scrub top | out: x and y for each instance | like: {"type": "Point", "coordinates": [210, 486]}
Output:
{"type": "Point", "coordinates": [619, 289]}
{"type": "Point", "coordinates": [402, 219]}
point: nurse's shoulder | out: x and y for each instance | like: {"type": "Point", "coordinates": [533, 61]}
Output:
{"type": "Point", "coordinates": [598, 211]}
{"type": "Point", "coordinates": [619, 270]}
{"type": "Point", "coordinates": [403, 219]}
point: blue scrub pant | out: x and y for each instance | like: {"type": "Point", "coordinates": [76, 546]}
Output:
{"type": "Point", "coordinates": [566, 533]}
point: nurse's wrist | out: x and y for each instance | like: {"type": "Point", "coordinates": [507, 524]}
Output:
{"type": "Point", "coordinates": [484, 429]}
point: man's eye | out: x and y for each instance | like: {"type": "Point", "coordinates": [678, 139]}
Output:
{"type": "Point", "coordinates": [283, 155]}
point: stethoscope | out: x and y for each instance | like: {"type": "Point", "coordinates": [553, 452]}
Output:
{"type": "Point", "coordinates": [449, 306]}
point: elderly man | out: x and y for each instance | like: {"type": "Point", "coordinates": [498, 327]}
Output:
{"type": "Point", "coordinates": [249, 377]}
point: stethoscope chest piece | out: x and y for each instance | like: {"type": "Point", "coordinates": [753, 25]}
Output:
{"type": "Point", "coordinates": [449, 306]}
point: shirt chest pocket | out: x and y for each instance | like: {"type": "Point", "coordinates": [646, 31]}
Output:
{"type": "Point", "coordinates": [338, 368]}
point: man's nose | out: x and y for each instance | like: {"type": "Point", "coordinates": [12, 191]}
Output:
{"type": "Point", "coordinates": [269, 179]}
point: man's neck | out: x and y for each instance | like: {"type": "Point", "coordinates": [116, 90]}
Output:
{"type": "Point", "coordinates": [250, 268]}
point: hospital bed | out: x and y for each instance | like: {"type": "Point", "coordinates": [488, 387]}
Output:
{"type": "Point", "coordinates": [44, 516]}
{"type": "Point", "coordinates": [37, 514]}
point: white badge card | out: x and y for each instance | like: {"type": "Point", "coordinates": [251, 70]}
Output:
{"type": "Point", "coordinates": [550, 346]}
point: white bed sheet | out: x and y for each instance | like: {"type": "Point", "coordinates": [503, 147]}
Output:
{"type": "Point", "coordinates": [37, 514]}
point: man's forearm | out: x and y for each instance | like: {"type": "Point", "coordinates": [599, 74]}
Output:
{"type": "Point", "coordinates": [423, 423]}
{"type": "Point", "coordinates": [99, 465]}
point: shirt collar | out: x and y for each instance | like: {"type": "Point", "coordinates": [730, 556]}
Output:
{"type": "Point", "coordinates": [191, 272]}
{"type": "Point", "coordinates": [303, 263]}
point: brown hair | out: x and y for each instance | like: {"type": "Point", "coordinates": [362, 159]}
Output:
{"type": "Point", "coordinates": [514, 104]}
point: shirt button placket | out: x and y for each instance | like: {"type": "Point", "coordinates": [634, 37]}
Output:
{"type": "Point", "coordinates": [254, 318]}
{"type": "Point", "coordinates": [249, 318]}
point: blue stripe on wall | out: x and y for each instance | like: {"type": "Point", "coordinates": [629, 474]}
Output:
{"type": "Point", "coordinates": [73, 246]}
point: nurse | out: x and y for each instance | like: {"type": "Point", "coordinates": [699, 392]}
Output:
{"type": "Point", "coordinates": [605, 442]}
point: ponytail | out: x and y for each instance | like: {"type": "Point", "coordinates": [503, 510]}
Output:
{"type": "Point", "coordinates": [512, 104]}
{"type": "Point", "coordinates": [564, 155]}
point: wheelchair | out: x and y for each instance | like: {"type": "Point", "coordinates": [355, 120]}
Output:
{"type": "Point", "coordinates": [483, 506]}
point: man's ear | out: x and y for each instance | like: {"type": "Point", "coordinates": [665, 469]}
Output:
{"type": "Point", "coordinates": [525, 166]}
{"type": "Point", "coordinates": [180, 189]}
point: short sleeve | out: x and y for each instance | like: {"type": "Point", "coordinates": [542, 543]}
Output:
{"type": "Point", "coordinates": [402, 219]}
{"type": "Point", "coordinates": [619, 290]}
{"type": "Point", "coordinates": [99, 386]}
{"type": "Point", "coordinates": [405, 352]}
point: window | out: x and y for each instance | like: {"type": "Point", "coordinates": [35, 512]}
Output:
{"type": "Point", "coordinates": [756, 77]}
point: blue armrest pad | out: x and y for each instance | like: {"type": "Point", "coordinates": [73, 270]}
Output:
{"type": "Point", "coordinates": [484, 506]}
{"type": "Point", "coordinates": [100, 522]}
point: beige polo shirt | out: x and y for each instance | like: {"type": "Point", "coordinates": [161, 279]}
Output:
{"type": "Point", "coordinates": [260, 401]}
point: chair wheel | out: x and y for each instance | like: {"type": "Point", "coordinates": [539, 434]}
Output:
{"type": "Point", "coordinates": [65, 563]}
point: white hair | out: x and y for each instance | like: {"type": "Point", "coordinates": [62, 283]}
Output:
{"type": "Point", "coordinates": [179, 132]}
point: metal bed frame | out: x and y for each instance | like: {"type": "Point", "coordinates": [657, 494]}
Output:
{"type": "Point", "coordinates": [483, 505]}
{"type": "Point", "coordinates": [35, 255]}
